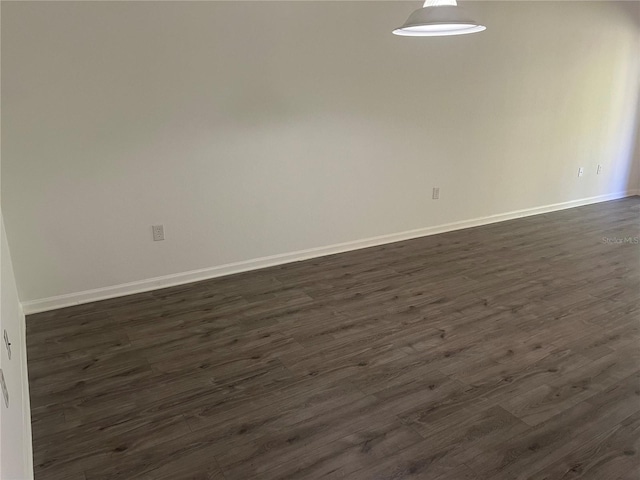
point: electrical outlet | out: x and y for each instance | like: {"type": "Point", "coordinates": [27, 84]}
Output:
{"type": "Point", "coordinates": [435, 195]}
{"type": "Point", "coordinates": [7, 344]}
{"type": "Point", "coordinates": [158, 233]}
{"type": "Point", "coordinates": [580, 171]}
{"type": "Point", "coordinates": [5, 392]}
{"type": "Point", "coordinates": [599, 169]}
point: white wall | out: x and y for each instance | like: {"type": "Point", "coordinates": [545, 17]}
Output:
{"type": "Point", "coordinates": [256, 129]}
{"type": "Point", "coordinates": [635, 166]}
{"type": "Point", "coordinates": [15, 421]}
{"type": "Point", "coordinates": [16, 457]}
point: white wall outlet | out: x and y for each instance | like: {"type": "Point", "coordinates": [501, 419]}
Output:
{"type": "Point", "coordinates": [158, 233]}
{"type": "Point", "coordinates": [435, 195]}
{"type": "Point", "coordinates": [599, 169]}
{"type": "Point", "coordinates": [580, 171]}
{"type": "Point", "coordinates": [7, 344]}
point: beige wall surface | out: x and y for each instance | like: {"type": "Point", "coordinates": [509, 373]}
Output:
{"type": "Point", "coordinates": [252, 129]}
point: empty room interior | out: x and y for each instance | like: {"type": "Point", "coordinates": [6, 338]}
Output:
{"type": "Point", "coordinates": [340, 240]}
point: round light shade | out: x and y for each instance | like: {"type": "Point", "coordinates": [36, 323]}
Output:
{"type": "Point", "coordinates": [432, 21]}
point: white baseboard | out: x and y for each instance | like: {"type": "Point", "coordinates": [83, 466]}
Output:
{"type": "Point", "coordinates": [52, 303]}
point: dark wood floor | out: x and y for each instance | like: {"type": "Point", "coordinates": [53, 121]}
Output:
{"type": "Point", "coordinates": [509, 351]}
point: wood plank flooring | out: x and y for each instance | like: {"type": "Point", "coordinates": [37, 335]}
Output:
{"type": "Point", "coordinates": [508, 351]}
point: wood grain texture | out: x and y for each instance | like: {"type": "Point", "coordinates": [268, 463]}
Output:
{"type": "Point", "coordinates": [508, 351]}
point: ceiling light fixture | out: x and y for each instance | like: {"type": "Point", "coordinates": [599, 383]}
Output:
{"type": "Point", "coordinates": [438, 18]}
